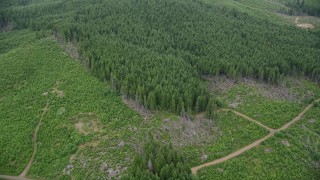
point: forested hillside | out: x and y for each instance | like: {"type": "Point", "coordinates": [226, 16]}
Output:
{"type": "Point", "coordinates": [159, 89]}
{"type": "Point", "coordinates": [157, 51]}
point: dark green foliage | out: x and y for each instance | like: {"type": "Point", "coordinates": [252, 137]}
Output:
{"type": "Point", "coordinates": [157, 51]}
{"type": "Point", "coordinates": [8, 3]}
{"type": "Point", "coordinates": [211, 109]}
{"type": "Point", "coordinates": [158, 161]}
{"type": "Point", "coordinates": [300, 6]}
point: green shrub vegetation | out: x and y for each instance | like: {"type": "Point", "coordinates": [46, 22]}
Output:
{"type": "Point", "coordinates": [29, 77]}
{"type": "Point", "coordinates": [271, 112]}
{"type": "Point", "coordinates": [231, 133]}
{"type": "Point", "coordinates": [292, 153]}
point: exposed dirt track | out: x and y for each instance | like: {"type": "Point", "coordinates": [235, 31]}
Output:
{"type": "Point", "coordinates": [194, 170]}
{"type": "Point", "coordinates": [27, 168]}
{"type": "Point", "coordinates": [250, 119]}
{"type": "Point", "coordinates": [13, 177]}
{"type": "Point", "coordinates": [298, 117]}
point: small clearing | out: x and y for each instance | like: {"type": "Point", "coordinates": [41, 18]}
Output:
{"type": "Point", "coordinates": [303, 25]}
{"type": "Point", "coordinates": [87, 123]}
{"type": "Point", "coordinates": [58, 92]}
{"type": "Point", "coordinates": [306, 26]}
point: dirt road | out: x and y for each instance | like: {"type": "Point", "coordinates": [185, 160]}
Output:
{"type": "Point", "coordinates": [194, 170]}
{"type": "Point", "coordinates": [250, 119]}
{"type": "Point", "coordinates": [298, 117]}
{"type": "Point", "coordinates": [27, 168]}
{"type": "Point", "coordinates": [13, 177]}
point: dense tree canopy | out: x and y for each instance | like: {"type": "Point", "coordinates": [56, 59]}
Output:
{"type": "Point", "coordinates": [158, 161]}
{"type": "Point", "coordinates": [302, 6]}
{"type": "Point", "coordinates": [156, 51]}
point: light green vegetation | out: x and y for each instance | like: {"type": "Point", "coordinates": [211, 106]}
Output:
{"type": "Point", "coordinates": [229, 133]}
{"type": "Point", "coordinates": [11, 40]}
{"type": "Point", "coordinates": [274, 105]}
{"type": "Point", "coordinates": [39, 73]}
{"type": "Point", "coordinates": [294, 153]}
{"type": "Point", "coordinates": [112, 149]}
{"type": "Point", "coordinates": [272, 113]}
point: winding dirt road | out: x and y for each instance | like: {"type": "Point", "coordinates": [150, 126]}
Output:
{"type": "Point", "coordinates": [194, 170]}
{"type": "Point", "coordinates": [27, 168]}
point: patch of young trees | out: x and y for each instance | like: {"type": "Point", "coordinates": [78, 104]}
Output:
{"type": "Point", "coordinates": [158, 161]}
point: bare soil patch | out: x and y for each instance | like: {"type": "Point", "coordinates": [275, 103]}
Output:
{"type": "Point", "coordinates": [61, 111]}
{"type": "Point", "coordinates": [303, 25]}
{"type": "Point", "coordinates": [306, 26]}
{"type": "Point", "coordinates": [87, 123]}
{"type": "Point", "coordinates": [285, 142]}
{"type": "Point", "coordinates": [268, 150]}
{"type": "Point", "coordinates": [93, 144]}
{"type": "Point", "coordinates": [58, 92]}
{"type": "Point", "coordinates": [311, 121]}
